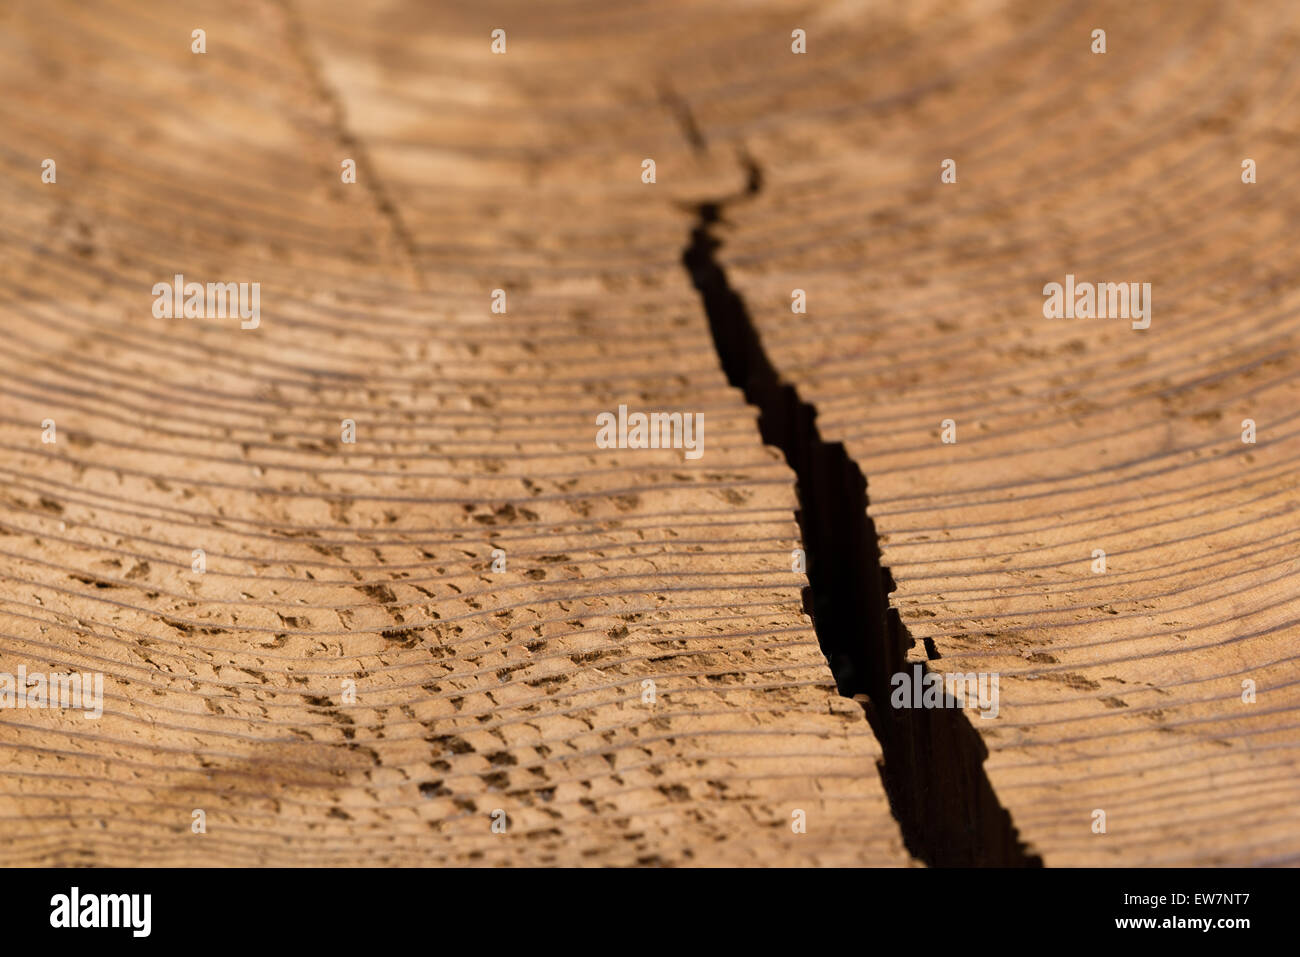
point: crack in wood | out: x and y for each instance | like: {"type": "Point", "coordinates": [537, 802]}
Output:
{"type": "Point", "coordinates": [933, 767]}
{"type": "Point", "coordinates": [368, 176]}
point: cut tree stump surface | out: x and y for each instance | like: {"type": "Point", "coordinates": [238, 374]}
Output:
{"type": "Point", "coordinates": [526, 691]}
{"type": "Point", "coordinates": [1120, 691]}
{"type": "Point", "coordinates": [523, 692]}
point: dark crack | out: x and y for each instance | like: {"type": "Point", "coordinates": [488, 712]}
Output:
{"type": "Point", "coordinates": [933, 768]}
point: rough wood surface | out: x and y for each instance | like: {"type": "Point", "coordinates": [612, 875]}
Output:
{"type": "Point", "coordinates": [523, 691]}
{"type": "Point", "coordinates": [1121, 691]}
{"type": "Point", "coordinates": [475, 691]}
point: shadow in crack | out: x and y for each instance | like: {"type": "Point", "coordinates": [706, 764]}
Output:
{"type": "Point", "coordinates": [933, 767]}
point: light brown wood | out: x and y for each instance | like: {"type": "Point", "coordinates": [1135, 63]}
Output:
{"type": "Point", "coordinates": [1123, 691]}
{"type": "Point", "coordinates": [522, 691]}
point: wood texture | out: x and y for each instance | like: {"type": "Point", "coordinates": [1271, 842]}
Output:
{"type": "Point", "coordinates": [522, 691]}
{"type": "Point", "coordinates": [1121, 691]}
{"type": "Point", "coordinates": [475, 691]}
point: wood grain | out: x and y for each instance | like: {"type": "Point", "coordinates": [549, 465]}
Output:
{"type": "Point", "coordinates": [475, 691]}
{"type": "Point", "coordinates": [1121, 691]}
{"type": "Point", "coordinates": [522, 691]}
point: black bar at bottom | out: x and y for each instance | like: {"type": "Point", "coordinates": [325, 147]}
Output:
{"type": "Point", "coordinates": [599, 910]}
